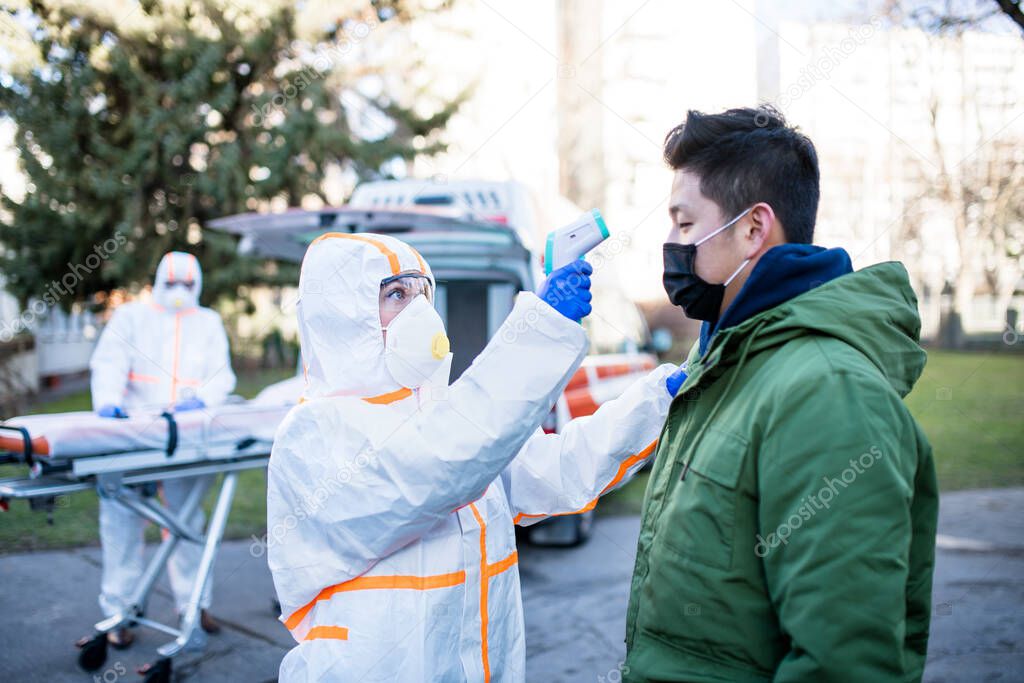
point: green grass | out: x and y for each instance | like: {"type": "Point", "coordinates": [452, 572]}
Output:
{"type": "Point", "coordinates": [74, 518]}
{"type": "Point", "coordinates": [970, 405]}
{"type": "Point", "coordinates": [250, 383]}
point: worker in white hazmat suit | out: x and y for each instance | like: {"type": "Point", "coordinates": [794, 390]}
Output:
{"type": "Point", "coordinates": [392, 496]}
{"type": "Point", "coordinates": [169, 354]}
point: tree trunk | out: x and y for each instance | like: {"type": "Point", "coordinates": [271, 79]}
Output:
{"type": "Point", "coordinates": [580, 112]}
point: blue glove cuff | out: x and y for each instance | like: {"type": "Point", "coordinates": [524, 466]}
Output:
{"type": "Point", "coordinates": [674, 381]}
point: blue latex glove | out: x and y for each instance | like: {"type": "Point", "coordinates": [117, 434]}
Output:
{"type": "Point", "coordinates": [567, 290]}
{"type": "Point", "coordinates": [189, 404]}
{"type": "Point", "coordinates": [110, 410]}
{"type": "Point", "coordinates": [675, 380]}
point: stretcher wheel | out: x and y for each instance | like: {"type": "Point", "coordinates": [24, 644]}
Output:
{"type": "Point", "coordinates": [156, 672]}
{"type": "Point", "coordinates": [92, 651]}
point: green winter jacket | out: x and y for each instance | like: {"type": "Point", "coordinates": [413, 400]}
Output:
{"type": "Point", "coordinates": [789, 523]}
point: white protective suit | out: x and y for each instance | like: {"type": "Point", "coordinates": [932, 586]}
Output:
{"type": "Point", "coordinates": [150, 357]}
{"type": "Point", "coordinates": [391, 509]}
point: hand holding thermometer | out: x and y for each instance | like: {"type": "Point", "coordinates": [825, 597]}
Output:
{"type": "Point", "coordinates": [572, 241]}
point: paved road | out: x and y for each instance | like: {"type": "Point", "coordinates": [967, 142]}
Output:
{"type": "Point", "coordinates": [574, 602]}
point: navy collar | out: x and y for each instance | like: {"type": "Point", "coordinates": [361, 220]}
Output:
{"type": "Point", "coordinates": [782, 273]}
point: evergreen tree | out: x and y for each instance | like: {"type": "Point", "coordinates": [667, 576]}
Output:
{"type": "Point", "coordinates": [136, 122]}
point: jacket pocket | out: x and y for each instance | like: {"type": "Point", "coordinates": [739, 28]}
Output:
{"type": "Point", "coordinates": [700, 515]}
{"type": "Point", "coordinates": [707, 662]}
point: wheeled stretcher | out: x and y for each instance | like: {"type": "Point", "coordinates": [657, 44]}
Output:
{"type": "Point", "coordinates": [123, 459]}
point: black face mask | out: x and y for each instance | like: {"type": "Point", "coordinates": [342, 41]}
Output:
{"type": "Point", "coordinates": [699, 299]}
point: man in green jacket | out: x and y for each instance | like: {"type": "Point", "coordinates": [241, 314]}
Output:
{"type": "Point", "coordinates": [789, 523]}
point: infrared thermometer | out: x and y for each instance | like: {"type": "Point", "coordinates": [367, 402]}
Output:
{"type": "Point", "coordinates": [572, 241]}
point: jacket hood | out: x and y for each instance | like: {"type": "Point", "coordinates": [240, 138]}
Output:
{"type": "Point", "coordinates": [874, 310]}
{"type": "Point", "coordinates": [177, 267]}
{"type": "Point", "coordinates": [339, 312]}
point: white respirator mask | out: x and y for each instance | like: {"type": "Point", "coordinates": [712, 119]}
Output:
{"type": "Point", "coordinates": [415, 345]}
{"type": "Point", "coordinates": [175, 296]}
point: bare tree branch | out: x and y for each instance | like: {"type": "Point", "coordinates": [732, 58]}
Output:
{"type": "Point", "coordinates": [1014, 10]}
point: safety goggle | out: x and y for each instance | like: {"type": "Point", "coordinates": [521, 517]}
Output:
{"type": "Point", "coordinates": [407, 285]}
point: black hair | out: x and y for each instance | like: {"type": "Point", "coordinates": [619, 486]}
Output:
{"type": "Point", "coordinates": [745, 156]}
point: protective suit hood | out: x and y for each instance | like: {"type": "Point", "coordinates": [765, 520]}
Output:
{"type": "Point", "coordinates": [339, 312]}
{"type": "Point", "coordinates": [177, 267]}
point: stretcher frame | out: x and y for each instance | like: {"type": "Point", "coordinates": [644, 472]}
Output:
{"type": "Point", "coordinates": [121, 477]}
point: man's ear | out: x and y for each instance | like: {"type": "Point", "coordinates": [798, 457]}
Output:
{"type": "Point", "coordinates": [762, 230]}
